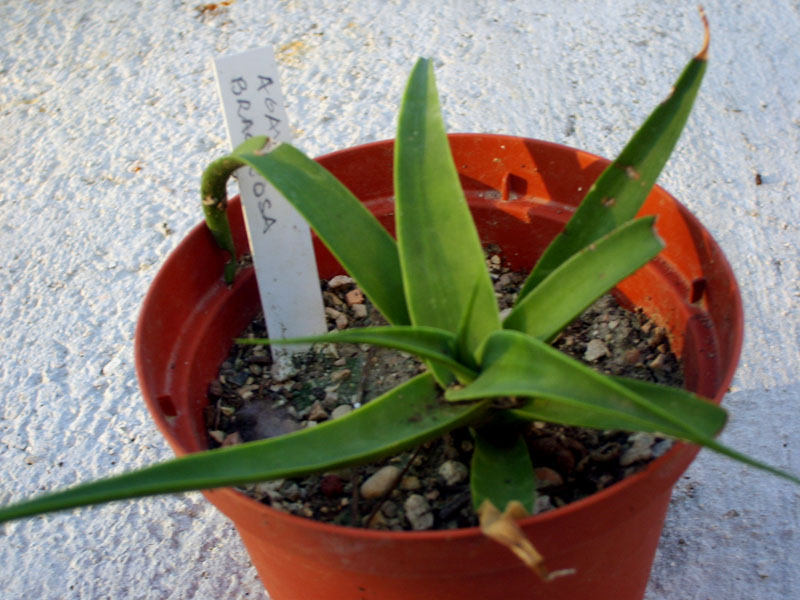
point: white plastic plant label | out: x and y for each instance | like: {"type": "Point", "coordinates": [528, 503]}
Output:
{"type": "Point", "coordinates": [280, 240]}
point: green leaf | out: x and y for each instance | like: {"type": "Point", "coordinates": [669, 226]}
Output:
{"type": "Point", "coordinates": [428, 343]}
{"type": "Point", "coordinates": [514, 364]}
{"type": "Point", "coordinates": [501, 469]}
{"type": "Point", "coordinates": [214, 197]}
{"type": "Point", "coordinates": [440, 253]}
{"type": "Point", "coordinates": [569, 411]}
{"type": "Point", "coordinates": [622, 188]}
{"type": "Point", "coordinates": [568, 392]}
{"type": "Point", "coordinates": [688, 406]}
{"type": "Point", "coordinates": [693, 408]}
{"type": "Point", "coordinates": [584, 277]}
{"type": "Point", "coordinates": [461, 340]}
{"type": "Point", "coordinates": [400, 419]}
{"type": "Point", "coordinates": [352, 234]}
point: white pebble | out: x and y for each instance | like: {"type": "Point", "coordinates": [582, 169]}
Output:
{"type": "Point", "coordinates": [418, 512]}
{"type": "Point", "coordinates": [380, 482]}
{"type": "Point", "coordinates": [641, 449]}
{"type": "Point", "coordinates": [453, 472]}
{"type": "Point", "coordinates": [595, 349]}
{"type": "Point", "coordinates": [341, 411]}
{"type": "Point", "coordinates": [340, 281]}
{"type": "Point", "coordinates": [542, 504]}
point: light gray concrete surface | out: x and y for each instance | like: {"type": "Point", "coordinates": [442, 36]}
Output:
{"type": "Point", "coordinates": [108, 112]}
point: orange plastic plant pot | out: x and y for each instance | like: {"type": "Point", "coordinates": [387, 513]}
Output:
{"type": "Point", "coordinates": [521, 192]}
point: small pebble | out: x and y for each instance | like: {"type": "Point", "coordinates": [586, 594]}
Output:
{"type": "Point", "coordinates": [270, 489]}
{"type": "Point", "coordinates": [604, 481]}
{"type": "Point", "coordinates": [632, 356]}
{"type": "Point", "coordinates": [317, 412]}
{"type": "Point", "coordinates": [418, 512]}
{"type": "Point", "coordinates": [341, 410]}
{"type": "Point", "coordinates": [390, 509]}
{"type": "Point", "coordinates": [659, 337]}
{"type": "Point", "coordinates": [290, 491]}
{"type": "Point", "coordinates": [332, 299]}
{"type": "Point", "coordinates": [658, 362]}
{"type": "Point", "coordinates": [359, 311]}
{"type": "Point", "coordinates": [410, 483]}
{"type": "Point", "coordinates": [331, 485]}
{"type": "Point", "coordinates": [453, 472]}
{"type": "Point", "coordinates": [542, 504]}
{"type": "Point", "coordinates": [339, 318]}
{"type": "Point", "coordinates": [340, 374]}
{"type": "Point", "coordinates": [282, 371]}
{"type": "Point", "coordinates": [355, 296]}
{"type": "Point", "coordinates": [217, 435]}
{"type": "Point", "coordinates": [641, 449]}
{"type": "Point", "coordinates": [547, 477]}
{"type": "Point", "coordinates": [255, 369]}
{"type": "Point", "coordinates": [506, 279]}
{"type": "Point", "coordinates": [378, 521]}
{"type": "Point", "coordinates": [380, 482]}
{"type": "Point", "coordinates": [233, 439]}
{"type": "Point", "coordinates": [340, 281]}
{"type": "Point", "coordinates": [432, 494]}
{"type": "Point", "coordinates": [595, 349]}
{"type": "Point", "coordinates": [244, 392]}
{"type": "Point", "coordinates": [329, 350]}
{"type": "Point", "coordinates": [331, 399]}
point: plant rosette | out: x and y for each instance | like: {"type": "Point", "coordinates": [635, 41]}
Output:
{"type": "Point", "coordinates": [581, 226]}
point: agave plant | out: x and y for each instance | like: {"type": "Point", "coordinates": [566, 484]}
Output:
{"type": "Point", "coordinates": [431, 284]}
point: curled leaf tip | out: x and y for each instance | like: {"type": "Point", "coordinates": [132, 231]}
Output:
{"type": "Point", "coordinates": [266, 147]}
{"type": "Point", "coordinates": [703, 54]}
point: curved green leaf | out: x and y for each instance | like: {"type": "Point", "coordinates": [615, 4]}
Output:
{"type": "Point", "coordinates": [687, 406]}
{"type": "Point", "coordinates": [584, 277]}
{"type": "Point", "coordinates": [568, 392]}
{"type": "Point", "coordinates": [400, 419]}
{"type": "Point", "coordinates": [214, 197]}
{"type": "Point", "coordinates": [514, 364]}
{"type": "Point", "coordinates": [440, 253]}
{"type": "Point", "coordinates": [622, 188]}
{"type": "Point", "coordinates": [429, 343]}
{"type": "Point", "coordinates": [352, 234]}
{"type": "Point", "coordinates": [501, 470]}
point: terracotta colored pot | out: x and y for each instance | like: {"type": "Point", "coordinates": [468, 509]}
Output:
{"type": "Point", "coordinates": [522, 192]}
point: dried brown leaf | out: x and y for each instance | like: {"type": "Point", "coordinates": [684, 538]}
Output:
{"type": "Point", "coordinates": [503, 528]}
